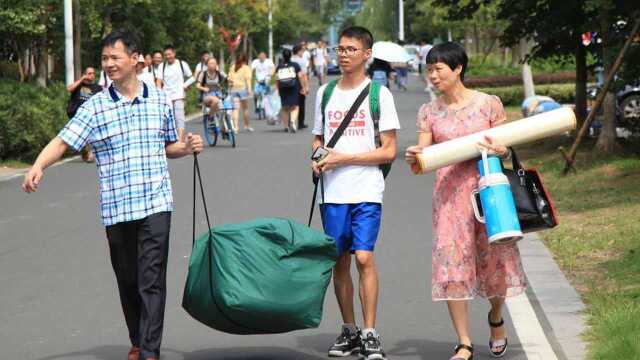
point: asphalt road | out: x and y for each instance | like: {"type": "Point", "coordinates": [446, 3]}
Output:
{"type": "Point", "coordinates": [58, 297]}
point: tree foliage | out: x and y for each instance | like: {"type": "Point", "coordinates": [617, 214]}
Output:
{"type": "Point", "coordinates": [31, 30]}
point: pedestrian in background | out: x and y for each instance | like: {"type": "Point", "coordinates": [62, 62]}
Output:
{"type": "Point", "coordinates": [464, 265]}
{"type": "Point", "coordinates": [81, 90]}
{"type": "Point", "coordinates": [131, 129]}
{"type": "Point", "coordinates": [171, 78]}
{"type": "Point", "coordinates": [241, 90]}
{"type": "Point", "coordinates": [142, 74]}
{"type": "Point", "coordinates": [320, 61]}
{"type": "Point", "coordinates": [299, 58]}
{"type": "Point", "coordinates": [288, 75]}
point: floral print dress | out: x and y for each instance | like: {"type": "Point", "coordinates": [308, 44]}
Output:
{"type": "Point", "coordinates": [463, 263]}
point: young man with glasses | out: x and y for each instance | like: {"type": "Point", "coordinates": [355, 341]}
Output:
{"type": "Point", "coordinates": [353, 184]}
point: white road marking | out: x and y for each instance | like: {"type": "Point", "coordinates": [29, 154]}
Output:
{"type": "Point", "coordinates": [532, 337]}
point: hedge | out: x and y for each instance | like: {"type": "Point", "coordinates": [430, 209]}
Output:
{"type": "Point", "coordinates": [514, 95]}
{"type": "Point", "coordinates": [564, 77]}
{"type": "Point", "coordinates": [29, 117]}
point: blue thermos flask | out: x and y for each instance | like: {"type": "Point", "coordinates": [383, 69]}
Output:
{"type": "Point", "coordinates": [498, 206]}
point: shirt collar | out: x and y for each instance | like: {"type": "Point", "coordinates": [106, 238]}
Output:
{"type": "Point", "coordinates": [115, 95]}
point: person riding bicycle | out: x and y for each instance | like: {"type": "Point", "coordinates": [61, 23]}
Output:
{"type": "Point", "coordinates": [212, 82]}
{"type": "Point", "coordinates": [263, 69]}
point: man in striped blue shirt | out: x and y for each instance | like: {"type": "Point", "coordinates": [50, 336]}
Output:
{"type": "Point", "coordinates": [131, 128]}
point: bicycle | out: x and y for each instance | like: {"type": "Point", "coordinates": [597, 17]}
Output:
{"type": "Point", "coordinates": [261, 89]}
{"type": "Point", "coordinates": [219, 123]}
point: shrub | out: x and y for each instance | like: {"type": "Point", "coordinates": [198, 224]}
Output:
{"type": "Point", "coordinates": [29, 117]}
{"type": "Point", "coordinates": [508, 80]}
{"type": "Point", "coordinates": [514, 95]}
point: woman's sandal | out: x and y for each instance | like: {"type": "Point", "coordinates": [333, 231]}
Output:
{"type": "Point", "coordinates": [459, 347]}
{"type": "Point", "coordinates": [501, 343]}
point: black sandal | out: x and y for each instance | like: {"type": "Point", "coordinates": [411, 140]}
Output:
{"type": "Point", "coordinates": [462, 347]}
{"type": "Point", "coordinates": [498, 343]}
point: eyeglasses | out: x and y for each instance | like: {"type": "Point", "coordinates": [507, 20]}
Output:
{"type": "Point", "coordinates": [349, 50]}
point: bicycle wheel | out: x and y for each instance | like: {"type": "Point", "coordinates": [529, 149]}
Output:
{"type": "Point", "coordinates": [210, 130]}
{"type": "Point", "coordinates": [230, 132]}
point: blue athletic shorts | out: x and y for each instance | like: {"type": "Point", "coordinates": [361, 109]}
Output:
{"type": "Point", "coordinates": [353, 226]}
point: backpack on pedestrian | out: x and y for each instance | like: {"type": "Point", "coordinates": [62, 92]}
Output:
{"type": "Point", "coordinates": [287, 77]}
{"type": "Point", "coordinates": [380, 77]}
{"type": "Point", "coordinates": [374, 108]}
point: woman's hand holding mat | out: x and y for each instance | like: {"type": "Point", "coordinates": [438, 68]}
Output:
{"type": "Point", "coordinates": [515, 133]}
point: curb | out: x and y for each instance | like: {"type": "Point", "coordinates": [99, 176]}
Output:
{"type": "Point", "coordinates": [557, 305]}
{"type": "Point", "coordinates": [20, 172]}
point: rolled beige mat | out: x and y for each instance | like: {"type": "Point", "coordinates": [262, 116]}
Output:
{"type": "Point", "coordinates": [514, 133]}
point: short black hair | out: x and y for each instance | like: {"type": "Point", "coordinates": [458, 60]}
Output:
{"type": "Point", "coordinates": [169, 47]}
{"type": "Point", "coordinates": [205, 52]}
{"type": "Point", "coordinates": [450, 53]}
{"type": "Point", "coordinates": [126, 37]}
{"type": "Point", "coordinates": [360, 33]}
{"type": "Point", "coordinates": [156, 52]}
{"type": "Point", "coordinates": [297, 48]}
{"type": "Point", "coordinates": [286, 55]}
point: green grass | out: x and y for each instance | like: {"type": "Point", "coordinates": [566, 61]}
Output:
{"type": "Point", "coordinates": [598, 240]}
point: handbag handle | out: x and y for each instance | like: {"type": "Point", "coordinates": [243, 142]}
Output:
{"type": "Point", "coordinates": [515, 161]}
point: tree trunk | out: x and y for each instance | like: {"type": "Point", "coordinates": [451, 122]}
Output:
{"type": "Point", "coordinates": [42, 60]}
{"type": "Point", "coordinates": [527, 76]}
{"type": "Point", "coordinates": [245, 43]}
{"type": "Point", "coordinates": [607, 139]}
{"type": "Point", "coordinates": [515, 56]}
{"type": "Point", "coordinates": [581, 82]}
{"type": "Point", "coordinates": [77, 40]}
{"type": "Point", "coordinates": [476, 38]}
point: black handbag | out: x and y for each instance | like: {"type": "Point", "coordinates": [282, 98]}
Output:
{"type": "Point", "coordinates": [533, 202]}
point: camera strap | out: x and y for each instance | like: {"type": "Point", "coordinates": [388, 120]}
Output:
{"type": "Point", "coordinates": [334, 140]}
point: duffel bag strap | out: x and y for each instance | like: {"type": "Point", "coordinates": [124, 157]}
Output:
{"type": "Point", "coordinates": [196, 172]}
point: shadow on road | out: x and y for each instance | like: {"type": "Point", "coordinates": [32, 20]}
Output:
{"type": "Point", "coordinates": [111, 352]}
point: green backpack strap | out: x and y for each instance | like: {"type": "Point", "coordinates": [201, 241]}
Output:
{"type": "Point", "coordinates": [374, 108]}
{"type": "Point", "coordinates": [326, 95]}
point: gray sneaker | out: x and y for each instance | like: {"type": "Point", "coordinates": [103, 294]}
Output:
{"type": "Point", "coordinates": [346, 344]}
{"type": "Point", "coordinates": [371, 347]}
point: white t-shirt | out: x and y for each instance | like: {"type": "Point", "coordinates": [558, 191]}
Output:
{"type": "Point", "coordinates": [263, 69]}
{"type": "Point", "coordinates": [354, 184]}
{"type": "Point", "coordinates": [105, 81]}
{"type": "Point", "coordinates": [147, 78]}
{"type": "Point", "coordinates": [424, 50]}
{"type": "Point", "coordinates": [302, 61]}
{"type": "Point", "coordinates": [173, 79]}
{"type": "Point", "coordinates": [319, 58]}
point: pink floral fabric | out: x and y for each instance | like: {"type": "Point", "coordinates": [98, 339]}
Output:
{"type": "Point", "coordinates": [464, 264]}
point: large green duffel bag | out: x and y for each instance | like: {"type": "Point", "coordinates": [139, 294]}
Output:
{"type": "Point", "coordinates": [264, 276]}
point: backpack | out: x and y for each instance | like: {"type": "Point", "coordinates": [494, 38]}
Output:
{"type": "Point", "coordinates": [287, 77]}
{"type": "Point", "coordinates": [374, 108]}
{"type": "Point", "coordinates": [380, 77]}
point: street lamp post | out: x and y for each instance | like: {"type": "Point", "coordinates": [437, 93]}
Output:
{"type": "Point", "coordinates": [401, 20]}
{"type": "Point", "coordinates": [270, 32]}
{"type": "Point", "coordinates": [68, 42]}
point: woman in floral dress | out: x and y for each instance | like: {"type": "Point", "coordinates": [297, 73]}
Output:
{"type": "Point", "coordinates": [464, 265]}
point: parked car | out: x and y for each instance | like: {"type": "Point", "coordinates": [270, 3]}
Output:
{"type": "Point", "coordinates": [333, 68]}
{"type": "Point", "coordinates": [628, 100]}
{"type": "Point", "coordinates": [627, 109]}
